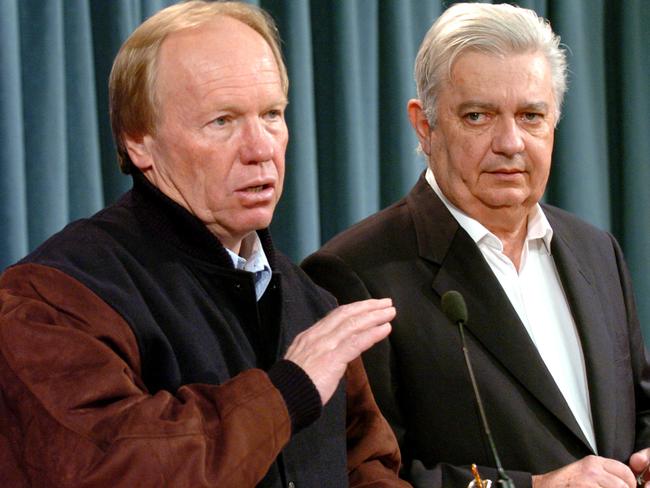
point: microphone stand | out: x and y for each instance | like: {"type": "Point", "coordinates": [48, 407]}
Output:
{"type": "Point", "coordinates": [454, 307]}
{"type": "Point", "coordinates": [503, 480]}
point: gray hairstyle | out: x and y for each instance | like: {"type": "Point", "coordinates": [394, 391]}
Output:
{"type": "Point", "coordinates": [491, 29]}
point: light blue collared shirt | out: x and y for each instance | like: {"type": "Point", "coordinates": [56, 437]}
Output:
{"type": "Point", "coordinates": [257, 263]}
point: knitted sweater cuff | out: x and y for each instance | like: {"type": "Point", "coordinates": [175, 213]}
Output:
{"type": "Point", "coordinates": [299, 392]}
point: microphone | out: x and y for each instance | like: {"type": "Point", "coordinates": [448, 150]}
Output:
{"type": "Point", "coordinates": [453, 306]}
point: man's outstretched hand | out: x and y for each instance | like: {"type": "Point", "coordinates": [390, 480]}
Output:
{"type": "Point", "coordinates": [324, 350]}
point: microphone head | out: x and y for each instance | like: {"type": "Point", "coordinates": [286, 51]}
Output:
{"type": "Point", "coordinates": [453, 306]}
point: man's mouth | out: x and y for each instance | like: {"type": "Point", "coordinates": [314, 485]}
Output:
{"type": "Point", "coordinates": [507, 171]}
{"type": "Point", "coordinates": [263, 190]}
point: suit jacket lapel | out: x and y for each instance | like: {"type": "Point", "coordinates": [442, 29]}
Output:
{"type": "Point", "coordinates": [463, 268]}
{"type": "Point", "coordinates": [595, 335]}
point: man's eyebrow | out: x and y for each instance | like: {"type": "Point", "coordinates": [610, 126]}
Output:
{"type": "Point", "coordinates": [481, 105]}
{"type": "Point", "coordinates": [476, 104]}
{"type": "Point", "coordinates": [536, 107]}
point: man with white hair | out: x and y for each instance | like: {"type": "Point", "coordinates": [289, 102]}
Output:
{"type": "Point", "coordinates": [552, 329]}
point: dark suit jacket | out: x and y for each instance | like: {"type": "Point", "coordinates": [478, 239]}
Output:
{"type": "Point", "coordinates": [415, 251]}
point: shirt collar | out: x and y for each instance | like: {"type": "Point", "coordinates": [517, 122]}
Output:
{"type": "Point", "coordinates": [538, 225]}
{"type": "Point", "coordinates": [256, 263]}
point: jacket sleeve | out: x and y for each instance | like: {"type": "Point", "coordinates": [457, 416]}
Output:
{"type": "Point", "coordinates": [76, 412]}
{"type": "Point", "coordinates": [373, 455]}
{"type": "Point", "coordinates": [638, 355]}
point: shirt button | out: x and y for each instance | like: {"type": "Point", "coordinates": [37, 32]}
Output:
{"type": "Point", "coordinates": [291, 485]}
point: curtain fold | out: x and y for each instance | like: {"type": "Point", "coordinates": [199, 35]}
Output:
{"type": "Point", "coordinates": [346, 121]}
{"type": "Point", "coordinates": [85, 190]}
{"type": "Point", "coordinates": [351, 149]}
{"type": "Point", "coordinates": [629, 83]}
{"type": "Point", "coordinates": [14, 238]}
{"type": "Point", "coordinates": [399, 163]}
{"type": "Point", "coordinates": [299, 207]}
{"type": "Point", "coordinates": [42, 58]}
{"type": "Point", "coordinates": [580, 153]}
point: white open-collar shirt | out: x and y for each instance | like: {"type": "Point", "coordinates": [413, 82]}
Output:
{"type": "Point", "coordinates": [536, 293]}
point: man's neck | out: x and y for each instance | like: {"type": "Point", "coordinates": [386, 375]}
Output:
{"type": "Point", "coordinates": [512, 236]}
{"type": "Point", "coordinates": [242, 247]}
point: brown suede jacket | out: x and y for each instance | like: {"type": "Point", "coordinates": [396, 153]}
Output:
{"type": "Point", "coordinates": [132, 354]}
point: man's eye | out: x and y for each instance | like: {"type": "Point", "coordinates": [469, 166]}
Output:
{"type": "Point", "coordinates": [532, 116]}
{"type": "Point", "coordinates": [475, 116]}
{"type": "Point", "coordinates": [221, 121]}
{"type": "Point", "coordinates": [273, 114]}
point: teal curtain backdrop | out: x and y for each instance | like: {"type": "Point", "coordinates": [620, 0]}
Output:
{"type": "Point", "coordinates": [352, 150]}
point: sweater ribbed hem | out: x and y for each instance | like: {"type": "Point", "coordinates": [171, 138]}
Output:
{"type": "Point", "coordinates": [299, 392]}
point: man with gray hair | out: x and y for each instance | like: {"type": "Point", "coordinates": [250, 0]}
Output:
{"type": "Point", "coordinates": [551, 325]}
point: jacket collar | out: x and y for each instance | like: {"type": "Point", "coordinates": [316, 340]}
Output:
{"type": "Point", "coordinates": [174, 225]}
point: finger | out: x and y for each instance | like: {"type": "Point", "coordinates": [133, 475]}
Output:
{"type": "Point", "coordinates": [639, 460]}
{"type": "Point", "coordinates": [353, 345]}
{"type": "Point", "coordinates": [359, 324]}
{"type": "Point", "coordinates": [368, 338]}
{"type": "Point", "coordinates": [360, 308]}
{"type": "Point", "coordinates": [365, 320]}
{"type": "Point", "coordinates": [355, 316]}
{"type": "Point", "coordinates": [618, 471]}
{"type": "Point", "coordinates": [335, 330]}
{"type": "Point", "coordinates": [354, 333]}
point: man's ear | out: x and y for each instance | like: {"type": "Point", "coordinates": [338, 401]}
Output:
{"type": "Point", "coordinates": [139, 149]}
{"type": "Point", "coordinates": [420, 124]}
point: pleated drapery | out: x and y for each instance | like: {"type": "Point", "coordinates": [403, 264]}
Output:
{"type": "Point", "coordinates": [351, 149]}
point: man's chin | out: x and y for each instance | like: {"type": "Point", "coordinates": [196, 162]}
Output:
{"type": "Point", "coordinates": [511, 197]}
{"type": "Point", "coordinates": [258, 220]}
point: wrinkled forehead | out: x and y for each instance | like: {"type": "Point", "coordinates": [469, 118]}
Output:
{"type": "Point", "coordinates": [218, 42]}
{"type": "Point", "coordinates": [522, 74]}
{"type": "Point", "coordinates": [222, 52]}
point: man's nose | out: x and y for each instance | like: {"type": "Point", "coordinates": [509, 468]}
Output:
{"type": "Point", "coordinates": [507, 138]}
{"type": "Point", "coordinates": [257, 142]}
